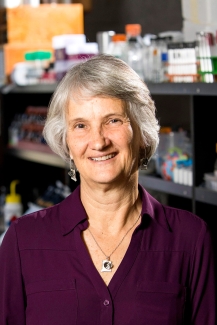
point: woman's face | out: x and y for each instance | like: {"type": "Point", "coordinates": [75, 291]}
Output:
{"type": "Point", "coordinates": [102, 140]}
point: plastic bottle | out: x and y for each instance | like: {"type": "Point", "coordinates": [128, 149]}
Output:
{"type": "Point", "coordinates": [135, 48]}
{"type": "Point", "coordinates": [59, 44]}
{"type": "Point", "coordinates": [37, 62]}
{"type": "Point", "coordinates": [155, 60]}
{"type": "Point", "coordinates": [117, 47]}
{"type": "Point", "coordinates": [103, 39]}
{"type": "Point", "coordinates": [76, 53]}
{"type": "Point", "coordinates": [158, 59]}
{"type": "Point", "coordinates": [13, 208]}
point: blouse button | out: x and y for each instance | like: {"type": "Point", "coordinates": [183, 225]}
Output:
{"type": "Point", "coordinates": [106, 303]}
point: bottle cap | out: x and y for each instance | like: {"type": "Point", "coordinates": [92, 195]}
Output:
{"type": "Point", "coordinates": [42, 55]}
{"type": "Point", "coordinates": [37, 55]}
{"type": "Point", "coordinates": [13, 197]}
{"type": "Point", "coordinates": [133, 29]}
{"type": "Point", "coordinates": [29, 56]}
{"type": "Point", "coordinates": [119, 37]}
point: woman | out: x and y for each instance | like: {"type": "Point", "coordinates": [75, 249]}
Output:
{"type": "Point", "coordinates": [109, 253]}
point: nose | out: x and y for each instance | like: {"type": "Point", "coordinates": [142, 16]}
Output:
{"type": "Point", "coordinates": [98, 139]}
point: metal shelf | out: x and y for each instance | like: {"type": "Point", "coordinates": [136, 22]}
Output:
{"type": "Point", "coordinates": [164, 88]}
{"type": "Point", "coordinates": [201, 194]}
{"type": "Point", "coordinates": [193, 88]}
{"type": "Point", "coordinates": [158, 184]}
{"type": "Point", "coordinates": [40, 88]}
{"type": "Point", "coordinates": [206, 196]}
{"type": "Point", "coordinates": [50, 159]}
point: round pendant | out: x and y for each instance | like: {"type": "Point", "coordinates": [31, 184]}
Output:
{"type": "Point", "coordinates": [106, 266]}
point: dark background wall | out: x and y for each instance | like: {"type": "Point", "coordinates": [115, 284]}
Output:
{"type": "Point", "coordinates": [155, 16]}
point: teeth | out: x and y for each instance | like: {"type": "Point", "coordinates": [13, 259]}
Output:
{"type": "Point", "coordinates": [103, 158]}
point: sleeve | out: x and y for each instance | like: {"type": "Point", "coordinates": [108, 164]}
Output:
{"type": "Point", "coordinates": [12, 295]}
{"type": "Point", "coordinates": [203, 281]}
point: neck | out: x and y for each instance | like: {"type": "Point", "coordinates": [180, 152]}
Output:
{"type": "Point", "coordinates": [110, 209]}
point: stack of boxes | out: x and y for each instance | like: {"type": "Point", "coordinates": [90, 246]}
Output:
{"type": "Point", "coordinates": [32, 28]}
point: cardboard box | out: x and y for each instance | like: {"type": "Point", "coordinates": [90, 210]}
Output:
{"type": "Point", "coordinates": [32, 28]}
{"type": "Point", "coordinates": [37, 25]}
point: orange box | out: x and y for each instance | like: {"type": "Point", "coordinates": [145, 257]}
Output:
{"type": "Point", "coordinates": [38, 25]}
{"type": "Point", "coordinates": [32, 28]}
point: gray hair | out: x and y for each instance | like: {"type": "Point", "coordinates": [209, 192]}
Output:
{"type": "Point", "coordinates": [103, 76]}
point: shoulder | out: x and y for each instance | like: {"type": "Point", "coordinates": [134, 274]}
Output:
{"type": "Point", "coordinates": [48, 216]}
{"type": "Point", "coordinates": [43, 228]}
{"type": "Point", "coordinates": [37, 218]}
{"type": "Point", "coordinates": [34, 228]}
{"type": "Point", "coordinates": [181, 216]}
{"type": "Point", "coordinates": [187, 230]}
{"type": "Point", "coordinates": [178, 226]}
{"type": "Point", "coordinates": [185, 221]}
{"type": "Point", "coordinates": [168, 215]}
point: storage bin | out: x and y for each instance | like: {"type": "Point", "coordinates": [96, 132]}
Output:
{"type": "Point", "coordinates": [210, 181]}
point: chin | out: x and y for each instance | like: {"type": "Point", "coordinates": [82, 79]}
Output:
{"type": "Point", "coordinates": [110, 179]}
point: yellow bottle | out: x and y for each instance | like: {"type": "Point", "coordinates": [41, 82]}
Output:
{"type": "Point", "coordinates": [13, 208]}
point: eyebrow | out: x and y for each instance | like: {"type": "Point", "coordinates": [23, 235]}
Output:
{"type": "Point", "coordinates": [83, 119]}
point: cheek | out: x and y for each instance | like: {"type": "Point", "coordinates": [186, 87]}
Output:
{"type": "Point", "coordinates": [126, 137]}
{"type": "Point", "coordinates": [131, 138]}
{"type": "Point", "coordinates": [76, 147]}
{"type": "Point", "coordinates": [71, 144]}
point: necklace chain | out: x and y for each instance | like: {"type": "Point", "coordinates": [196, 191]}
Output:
{"type": "Point", "coordinates": [108, 256]}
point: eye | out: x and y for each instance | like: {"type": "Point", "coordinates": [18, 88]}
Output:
{"type": "Point", "coordinates": [79, 126]}
{"type": "Point", "coordinates": [115, 121]}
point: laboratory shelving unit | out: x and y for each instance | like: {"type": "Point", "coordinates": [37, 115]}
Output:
{"type": "Point", "coordinates": [191, 105]}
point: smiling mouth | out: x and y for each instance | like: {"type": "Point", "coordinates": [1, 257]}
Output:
{"type": "Point", "coordinates": [103, 157]}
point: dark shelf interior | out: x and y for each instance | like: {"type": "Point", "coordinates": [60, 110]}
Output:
{"type": "Point", "coordinates": [189, 105]}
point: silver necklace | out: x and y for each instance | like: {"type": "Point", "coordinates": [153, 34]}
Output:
{"type": "Point", "coordinates": [107, 264]}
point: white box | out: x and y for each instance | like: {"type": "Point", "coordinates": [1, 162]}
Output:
{"type": "Point", "coordinates": [200, 11]}
{"type": "Point", "coordinates": [210, 181]}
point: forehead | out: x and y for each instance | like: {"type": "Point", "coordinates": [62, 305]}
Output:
{"type": "Point", "coordinates": [87, 104]}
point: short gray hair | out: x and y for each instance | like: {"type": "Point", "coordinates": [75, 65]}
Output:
{"type": "Point", "coordinates": [103, 76]}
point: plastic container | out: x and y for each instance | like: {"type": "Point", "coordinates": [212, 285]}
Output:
{"type": "Point", "coordinates": [135, 49]}
{"type": "Point", "coordinates": [210, 181]}
{"type": "Point", "coordinates": [76, 53]}
{"type": "Point", "coordinates": [24, 74]}
{"type": "Point", "coordinates": [31, 70]}
{"type": "Point", "coordinates": [202, 12]}
{"type": "Point", "coordinates": [59, 45]}
{"type": "Point", "coordinates": [103, 39]}
{"type": "Point", "coordinates": [118, 47]}
{"type": "Point", "coordinates": [182, 172]}
{"type": "Point", "coordinates": [158, 59]}
{"type": "Point", "coordinates": [155, 60]}
{"type": "Point", "coordinates": [40, 61]}
{"type": "Point", "coordinates": [79, 52]}
{"type": "Point", "coordinates": [13, 208]}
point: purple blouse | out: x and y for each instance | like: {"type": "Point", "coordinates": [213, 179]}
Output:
{"type": "Point", "coordinates": [166, 277]}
